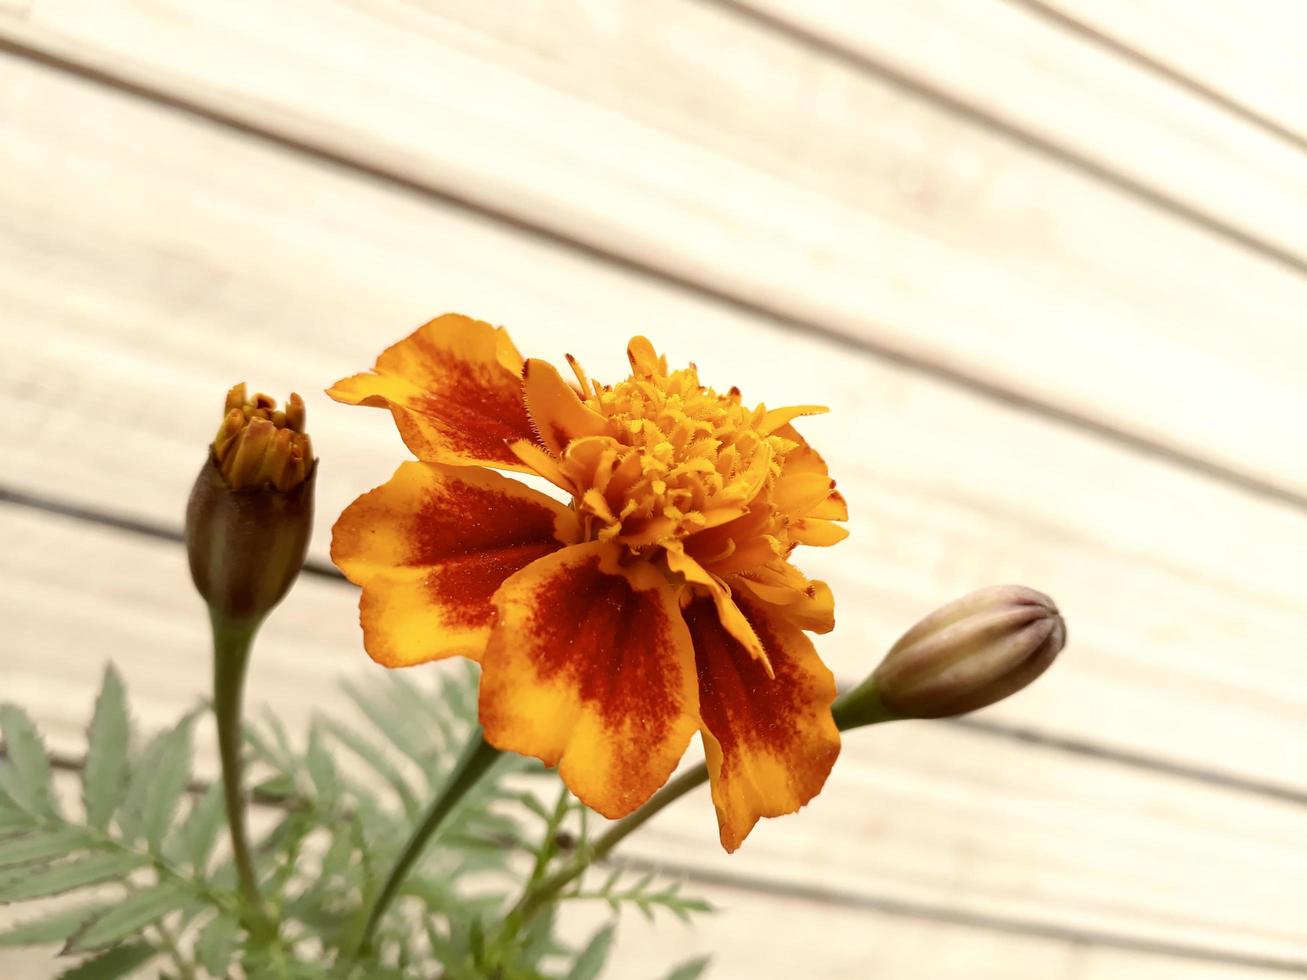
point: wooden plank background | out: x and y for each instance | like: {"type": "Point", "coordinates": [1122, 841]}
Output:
{"type": "Point", "coordinates": [1045, 260]}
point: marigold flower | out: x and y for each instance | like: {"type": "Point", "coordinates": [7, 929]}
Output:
{"type": "Point", "coordinates": [661, 601]}
{"type": "Point", "coordinates": [250, 512]}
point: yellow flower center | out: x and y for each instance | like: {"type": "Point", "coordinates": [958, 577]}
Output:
{"type": "Point", "coordinates": [682, 457]}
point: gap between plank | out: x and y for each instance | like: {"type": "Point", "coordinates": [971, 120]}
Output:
{"type": "Point", "coordinates": [918, 365]}
{"type": "Point", "coordinates": [1173, 75]}
{"type": "Point", "coordinates": [961, 108]}
{"type": "Point", "coordinates": [1008, 732]}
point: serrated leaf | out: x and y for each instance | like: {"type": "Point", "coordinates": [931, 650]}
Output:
{"type": "Point", "coordinates": [121, 961]}
{"type": "Point", "coordinates": [167, 786]}
{"type": "Point", "coordinates": [322, 771]}
{"type": "Point", "coordinates": [26, 777]}
{"type": "Point", "coordinates": [128, 917]}
{"type": "Point", "coordinates": [275, 789]}
{"type": "Point", "coordinates": [104, 779]}
{"type": "Point", "coordinates": [611, 881]}
{"type": "Point", "coordinates": [375, 756]}
{"type": "Point", "coordinates": [56, 879]}
{"type": "Point", "coordinates": [131, 814]}
{"type": "Point", "coordinates": [402, 736]}
{"type": "Point", "coordinates": [592, 958]}
{"type": "Point", "coordinates": [690, 969]}
{"type": "Point", "coordinates": [198, 835]}
{"type": "Point", "coordinates": [284, 750]}
{"type": "Point", "coordinates": [50, 928]}
{"type": "Point", "coordinates": [15, 821]}
{"type": "Point", "coordinates": [43, 845]}
{"type": "Point", "coordinates": [217, 944]}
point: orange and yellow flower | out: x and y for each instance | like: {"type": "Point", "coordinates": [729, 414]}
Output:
{"type": "Point", "coordinates": [658, 602]}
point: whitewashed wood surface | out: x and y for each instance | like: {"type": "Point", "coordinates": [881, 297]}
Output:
{"type": "Point", "coordinates": [1082, 370]}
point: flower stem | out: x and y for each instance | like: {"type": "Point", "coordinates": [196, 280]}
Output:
{"type": "Point", "coordinates": [232, 641]}
{"type": "Point", "coordinates": [477, 758]}
{"type": "Point", "coordinates": [861, 706]}
{"type": "Point", "coordinates": [544, 891]}
{"type": "Point", "coordinates": [854, 709]}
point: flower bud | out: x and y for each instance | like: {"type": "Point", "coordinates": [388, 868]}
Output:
{"type": "Point", "coordinates": [971, 653]}
{"type": "Point", "coordinates": [251, 510]}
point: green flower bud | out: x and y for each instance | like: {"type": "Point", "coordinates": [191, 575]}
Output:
{"type": "Point", "coordinates": [971, 653]}
{"type": "Point", "coordinates": [251, 510]}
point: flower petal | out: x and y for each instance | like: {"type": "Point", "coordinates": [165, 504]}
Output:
{"type": "Point", "coordinates": [770, 743]}
{"type": "Point", "coordinates": [816, 532]}
{"type": "Point", "coordinates": [811, 608]}
{"type": "Point", "coordinates": [645, 361]}
{"type": "Point", "coordinates": [730, 615]}
{"type": "Point", "coordinates": [590, 668]}
{"type": "Point", "coordinates": [804, 487]}
{"type": "Point", "coordinates": [558, 414]}
{"type": "Point", "coordinates": [431, 546]}
{"type": "Point", "coordinates": [454, 387]}
{"type": "Point", "coordinates": [778, 417]}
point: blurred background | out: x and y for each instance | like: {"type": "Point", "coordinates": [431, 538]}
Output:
{"type": "Point", "coordinates": [1046, 260]}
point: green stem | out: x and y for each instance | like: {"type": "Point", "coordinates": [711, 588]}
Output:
{"type": "Point", "coordinates": [861, 706]}
{"type": "Point", "coordinates": [546, 890]}
{"type": "Point", "coordinates": [232, 641]}
{"type": "Point", "coordinates": [854, 709]}
{"type": "Point", "coordinates": [477, 758]}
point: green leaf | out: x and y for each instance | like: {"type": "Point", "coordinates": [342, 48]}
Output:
{"type": "Point", "coordinates": [104, 780]}
{"type": "Point", "coordinates": [26, 779]}
{"type": "Point", "coordinates": [690, 969]}
{"type": "Point", "coordinates": [93, 869]}
{"type": "Point", "coordinates": [375, 756]}
{"type": "Point", "coordinates": [14, 821]}
{"type": "Point", "coordinates": [131, 814]}
{"type": "Point", "coordinates": [50, 928]}
{"type": "Point", "coordinates": [43, 845]}
{"type": "Point", "coordinates": [168, 785]}
{"type": "Point", "coordinates": [118, 962]}
{"type": "Point", "coordinates": [592, 958]}
{"type": "Point", "coordinates": [275, 789]}
{"type": "Point", "coordinates": [129, 916]}
{"type": "Point", "coordinates": [198, 835]}
{"type": "Point", "coordinates": [407, 738]}
{"type": "Point", "coordinates": [326, 781]}
{"type": "Point", "coordinates": [217, 944]}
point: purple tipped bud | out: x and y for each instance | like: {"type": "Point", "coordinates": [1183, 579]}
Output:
{"type": "Point", "coordinates": [971, 653]}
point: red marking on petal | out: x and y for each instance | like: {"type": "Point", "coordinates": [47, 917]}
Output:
{"type": "Point", "coordinates": [584, 625]}
{"type": "Point", "coordinates": [770, 742]}
{"type": "Point", "coordinates": [465, 585]}
{"type": "Point", "coordinates": [463, 518]}
{"type": "Point", "coordinates": [739, 703]}
{"type": "Point", "coordinates": [480, 409]}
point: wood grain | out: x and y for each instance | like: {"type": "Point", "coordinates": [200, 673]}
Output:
{"type": "Point", "coordinates": [1069, 95]}
{"type": "Point", "coordinates": [1247, 52]}
{"type": "Point", "coordinates": [686, 140]}
{"type": "Point", "coordinates": [916, 813]}
{"type": "Point", "coordinates": [158, 260]}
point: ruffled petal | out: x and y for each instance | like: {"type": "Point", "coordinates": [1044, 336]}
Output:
{"type": "Point", "coordinates": [811, 607]}
{"type": "Point", "coordinates": [770, 742]}
{"type": "Point", "coordinates": [590, 668]}
{"type": "Point", "coordinates": [804, 487]}
{"type": "Point", "coordinates": [454, 388]}
{"type": "Point", "coordinates": [430, 548]}
{"type": "Point", "coordinates": [730, 615]}
{"type": "Point", "coordinates": [558, 414]}
{"type": "Point", "coordinates": [779, 417]}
